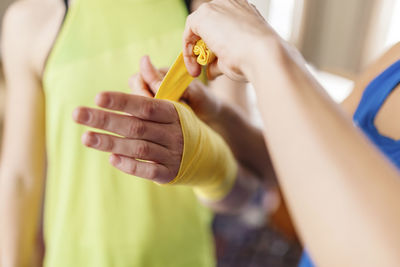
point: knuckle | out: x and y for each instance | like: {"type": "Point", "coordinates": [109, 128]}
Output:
{"type": "Point", "coordinates": [108, 143]}
{"type": "Point", "coordinates": [137, 128]}
{"type": "Point", "coordinates": [104, 120]}
{"type": "Point", "coordinates": [132, 168]}
{"type": "Point", "coordinates": [189, 18]}
{"type": "Point", "coordinates": [208, 7]}
{"type": "Point", "coordinates": [152, 173]}
{"type": "Point", "coordinates": [142, 150]}
{"type": "Point", "coordinates": [173, 172]}
{"type": "Point", "coordinates": [121, 103]}
{"type": "Point", "coordinates": [148, 109]}
{"type": "Point", "coordinates": [204, 6]}
{"type": "Point", "coordinates": [172, 112]}
{"type": "Point", "coordinates": [178, 139]}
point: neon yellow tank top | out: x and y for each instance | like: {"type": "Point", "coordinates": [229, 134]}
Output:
{"type": "Point", "coordinates": [94, 214]}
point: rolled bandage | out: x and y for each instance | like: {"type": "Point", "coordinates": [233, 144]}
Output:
{"type": "Point", "coordinates": [204, 55]}
{"type": "Point", "coordinates": [207, 163]}
{"type": "Point", "coordinates": [177, 78]}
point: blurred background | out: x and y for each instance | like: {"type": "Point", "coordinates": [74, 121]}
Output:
{"type": "Point", "coordinates": [338, 38]}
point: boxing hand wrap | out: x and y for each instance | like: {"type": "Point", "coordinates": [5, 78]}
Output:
{"type": "Point", "coordinates": [207, 164]}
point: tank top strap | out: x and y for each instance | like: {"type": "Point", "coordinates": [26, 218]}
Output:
{"type": "Point", "coordinates": [66, 3]}
{"type": "Point", "coordinates": [375, 95]}
{"type": "Point", "coordinates": [188, 3]}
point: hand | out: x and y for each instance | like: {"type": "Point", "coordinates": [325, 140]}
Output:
{"type": "Point", "coordinates": [229, 28]}
{"type": "Point", "coordinates": [151, 142]}
{"type": "Point", "coordinates": [146, 83]}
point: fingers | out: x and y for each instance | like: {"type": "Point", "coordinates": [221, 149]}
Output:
{"type": "Point", "coordinates": [125, 125]}
{"type": "Point", "coordinates": [213, 70]}
{"type": "Point", "coordinates": [139, 87]}
{"type": "Point", "coordinates": [147, 82]}
{"type": "Point", "coordinates": [163, 71]}
{"type": "Point", "coordinates": [152, 171]}
{"type": "Point", "coordinates": [141, 107]}
{"type": "Point", "coordinates": [150, 74]}
{"type": "Point", "coordinates": [190, 37]}
{"type": "Point", "coordinates": [132, 148]}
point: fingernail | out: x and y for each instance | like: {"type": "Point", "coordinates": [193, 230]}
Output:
{"type": "Point", "coordinates": [93, 140]}
{"type": "Point", "coordinates": [84, 116]}
{"type": "Point", "coordinates": [115, 160]}
{"type": "Point", "coordinates": [103, 100]}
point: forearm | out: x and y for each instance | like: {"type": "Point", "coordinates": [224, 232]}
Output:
{"type": "Point", "coordinates": [20, 206]}
{"type": "Point", "coordinates": [246, 142]}
{"type": "Point", "coordinates": [327, 169]}
{"type": "Point", "coordinates": [244, 189]}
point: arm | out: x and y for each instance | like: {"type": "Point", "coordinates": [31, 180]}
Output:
{"type": "Point", "coordinates": [23, 154]}
{"type": "Point", "coordinates": [341, 167]}
{"type": "Point", "coordinates": [145, 84]}
{"type": "Point", "coordinates": [342, 192]}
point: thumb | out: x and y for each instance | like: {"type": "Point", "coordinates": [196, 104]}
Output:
{"type": "Point", "coordinates": [150, 74]}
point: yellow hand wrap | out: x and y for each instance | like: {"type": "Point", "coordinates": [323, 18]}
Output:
{"type": "Point", "coordinates": [204, 55]}
{"type": "Point", "coordinates": [207, 162]}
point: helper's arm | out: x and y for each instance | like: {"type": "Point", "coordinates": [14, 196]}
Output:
{"type": "Point", "coordinates": [343, 193]}
{"type": "Point", "coordinates": [23, 150]}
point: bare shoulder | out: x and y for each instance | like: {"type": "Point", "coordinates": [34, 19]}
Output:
{"type": "Point", "coordinates": [29, 28]}
{"type": "Point", "coordinates": [386, 121]}
{"type": "Point", "coordinates": [372, 71]}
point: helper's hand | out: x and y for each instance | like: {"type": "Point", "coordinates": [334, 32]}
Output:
{"type": "Point", "coordinates": [146, 83]}
{"type": "Point", "coordinates": [231, 29]}
{"type": "Point", "coordinates": [151, 142]}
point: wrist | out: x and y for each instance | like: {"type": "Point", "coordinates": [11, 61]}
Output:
{"type": "Point", "coordinates": [207, 163]}
{"type": "Point", "coordinates": [266, 53]}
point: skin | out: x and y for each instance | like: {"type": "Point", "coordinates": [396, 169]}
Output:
{"type": "Point", "coordinates": [21, 183]}
{"type": "Point", "coordinates": [29, 30]}
{"type": "Point", "coordinates": [343, 194]}
{"type": "Point", "coordinates": [22, 175]}
{"type": "Point", "coordinates": [162, 143]}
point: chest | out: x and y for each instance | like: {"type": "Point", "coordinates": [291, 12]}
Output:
{"type": "Point", "coordinates": [100, 45]}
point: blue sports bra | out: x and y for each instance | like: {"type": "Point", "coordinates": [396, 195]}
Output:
{"type": "Point", "coordinates": [372, 100]}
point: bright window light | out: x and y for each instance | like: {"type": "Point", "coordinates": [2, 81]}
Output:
{"type": "Point", "coordinates": [394, 26]}
{"type": "Point", "coordinates": [281, 16]}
